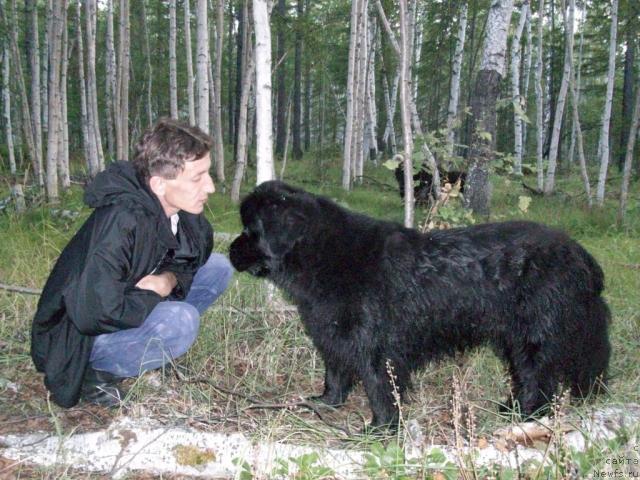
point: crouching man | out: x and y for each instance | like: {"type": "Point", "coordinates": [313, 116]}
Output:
{"type": "Point", "coordinates": [127, 292]}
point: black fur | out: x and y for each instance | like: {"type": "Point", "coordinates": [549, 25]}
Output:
{"type": "Point", "coordinates": [371, 292]}
{"type": "Point", "coordinates": [423, 181]}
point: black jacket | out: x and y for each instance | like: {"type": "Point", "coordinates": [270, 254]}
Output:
{"type": "Point", "coordinates": [91, 289]}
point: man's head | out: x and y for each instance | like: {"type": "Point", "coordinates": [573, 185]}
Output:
{"type": "Point", "coordinates": [173, 158]}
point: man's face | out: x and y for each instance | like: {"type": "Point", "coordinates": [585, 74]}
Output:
{"type": "Point", "coordinates": [188, 191]}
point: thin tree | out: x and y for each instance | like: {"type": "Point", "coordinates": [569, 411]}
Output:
{"type": "Point", "coordinates": [63, 158]}
{"type": "Point", "coordinates": [297, 83]}
{"type": "Point", "coordinates": [628, 160]}
{"type": "Point", "coordinates": [540, 100]}
{"type": "Point", "coordinates": [93, 119]}
{"type": "Point", "coordinates": [264, 134]}
{"type": "Point", "coordinates": [281, 95]}
{"type": "Point", "coordinates": [218, 145]}
{"type": "Point", "coordinates": [31, 7]}
{"type": "Point", "coordinates": [483, 107]}
{"type": "Point", "coordinates": [517, 98]}
{"type": "Point", "coordinates": [190, 78]}
{"type": "Point", "coordinates": [405, 111]}
{"type": "Point", "coordinates": [348, 132]}
{"type": "Point", "coordinates": [606, 114]}
{"type": "Point", "coordinates": [16, 188]}
{"type": "Point", "coordinates": [92, 165]}
{"type": "Point", "coordinates": [149, 70]}
{"type": "Point", "coordinates": [173, 69]}
{"type": "Point", "coordinates": [111, 98]}
{"type": "Point", "coordinates": [202, 66]}
{"type": "Point", "coordinates": [456, 70]}
{"type": "Point", "coordinates": [122, 83]}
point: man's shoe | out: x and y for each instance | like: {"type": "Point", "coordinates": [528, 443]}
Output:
{"type": "Point", "coordinates": [101, 388]}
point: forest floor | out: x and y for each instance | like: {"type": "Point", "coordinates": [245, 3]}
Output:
{"type": "Point", "coordinates": [253, 366]}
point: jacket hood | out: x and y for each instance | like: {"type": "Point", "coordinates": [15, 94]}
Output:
{"type": "Point", "coordinates": [119, 184]}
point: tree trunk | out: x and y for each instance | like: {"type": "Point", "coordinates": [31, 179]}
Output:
{"type": "Point", "coordinates": [202, 68]}
{"type": "Point", "coordinates": [111, 98]}
{"type": "Point", "coordinates": [149, 72]}
{"type": "Point", "coordinates": [281, 79]}
{"type": "Point", "coordinates": [218, 142]}
{"type": "Point", "coordinates": [518, 103]}
{"type": "Point", "coordinates": [91, 88]}
{"type": "Point", "coordinates": [627, 91]}
{"type": "Point", "coordinates": [173, 69]}
{"type": "Point", "coordinates": [526, 74]}
{"type": "Point", "coordinates": [63, 158]}
{"type": "Point", "coordinates": [92, 165]}
{"type": "Point", "coordinates": [297, 80]}
{"type": "Point", "coordinates": [31, 7]}
{"type": "Point", "coordinates": [540, 100]}
{"type": "Point", "coordinates": [16, 188]}
{"type": "Point", "coordinates": [348, 133]}
{"type": "Point", "coordinates": [626, 176]}
{"type": "Point", "coordinates": [122, 122]}
{"type": "Point", "coordinates": [454, 95]}
{"type": "Point", "coordinates": [241, 46]}
{"type": "Point", "coordinates": [554, 145]}
{"type": "Point", "coordinates": [606, 115]}
{"type": "Point", "coordinates": [264, 133]}
{"type": "Point", "coordinates": [231, 117]}
{"type": "Point", "coordinates": [405, 110]}
{"type": "Point", "coordinates": [241, 158]}
{"type": "Point", "coordinates": [190, 79]}
{"type": "Point", "coordinates": [483, 107]}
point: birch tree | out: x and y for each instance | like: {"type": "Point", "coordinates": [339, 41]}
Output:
{"type": "Point", "coordinates": [218, 144]}
{"type": "Point", "coordinates": [96, 160]}
{"type": "Point", "coordinates": [122, 84]}
{"type": "Point", "coordinates": [405, 109]}
{"type": "Point", "coordinates": [456, 70]}
{"type": "Point", "coordinates": [63, 158]}
{"type": "Point", "coordinates": [149, 69]}
{"type": "Point", "coordinates": [518, 103]}
{"type": "Point", "coordinates": [351, 69]}
{"type": "Point", "coordinates": [606, 114]}
{"type": "Point", "coordinates": [173, 69]}
{"type": "Point", "coordinates": [483, 106]}
{"type": "Point", "coordinates": [202, 66]}
{"type": "Point", "coordinates": [187, 41]}
{"type": "Point", "coordinates": [16, 188]}
{"type": "Point", "coordinates": [554, 144]}
{"type": "Point", "coordinates": [539, 100]}
{"type": "Point", "coordinates": [628, 159]}
{"type": "Point", "coordinates": [264, 133]}
{"type": "Point", "coordinates": [31, 7]}
{"type": "Point", "coordinates": [110, 80]}
{"type": "Point", "coordinates": [91, 160]}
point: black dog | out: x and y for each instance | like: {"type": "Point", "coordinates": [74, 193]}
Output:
{"type": "Point", "coordinates": [373, 294]}
{"type": "Point", "coordinates": [423, 182]}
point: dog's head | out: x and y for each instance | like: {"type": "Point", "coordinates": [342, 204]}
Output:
{"type": "Point", "coordinates": [274, 216]}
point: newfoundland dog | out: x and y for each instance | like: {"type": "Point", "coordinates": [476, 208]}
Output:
{"type": "Point", "coordinates": [377, 297]}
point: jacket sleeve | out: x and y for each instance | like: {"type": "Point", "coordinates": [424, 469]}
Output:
{"type": "Point", "coordinates": [101, 298]}
{"type": "Point", "coordinates": [185, 271]}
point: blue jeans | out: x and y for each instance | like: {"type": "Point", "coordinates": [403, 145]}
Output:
{"type": "Point", "coordinates": [169, 330]}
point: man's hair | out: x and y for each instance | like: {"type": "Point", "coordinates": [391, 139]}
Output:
{"type": "Point", "coordinates": [166, 146]}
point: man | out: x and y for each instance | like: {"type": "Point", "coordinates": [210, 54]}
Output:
{"type": "Point", "coordinates": [126, 294]}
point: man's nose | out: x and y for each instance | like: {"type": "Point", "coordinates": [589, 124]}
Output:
{"type": "Point", "coordinates": [210, 186]}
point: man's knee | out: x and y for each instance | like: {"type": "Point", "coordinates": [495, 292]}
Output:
{"type": "Point", "coordinates": [187, 323]}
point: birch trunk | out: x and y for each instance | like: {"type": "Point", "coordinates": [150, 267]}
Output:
{"type": "Point", "coordinates": [55, 107]}
{"type": "Point", "coordinates": [297, 79]}
{"type": "Point", "coordinates": [149, 72]}
{"type": "Point", "coordinates": [93, 123]}
{"type": "Point", "coordinates": [525, 78]}
{"type": "Point", "coordinates": [264, 132]}
{"type": "Point", "coordinates": [483, 106]}
{"type": "Point", "coordinates": [405, 109]}
{"type": "Point", "coordinates": [540, 100]}
{"type": "Point", "coordinates": [578, 82]}
{"type": "Point", "coordinates": [35, 104]}
{"type": "Point", "coordinates": [16, 189]}
{"type": "Point", "coordinates": [554, 145]}
{"type": "Point", "coordinates": [202, 67]}
{"type": "Point", "coordinates": [454, 95]}
{"type": "Point", "coordinates": [91, 168]}
{"type": "Point", "coordinates": [173, 69]}
{"type": "Point", "coordinates": [606, 115]}
{"type": "Point", "coordinates": [190, 79]}
{"type": "Point", "coordinates": [241, 157]}
{"type": "Point", "coordinates": [111, 99]}
{"type": "Point", "coordinates": [518, 104]}
{"type": "Point", "coordinates": [372, 113]}
{"type": "Point", "coordinates": [122, 118]}
{"type": "Point", "coordinates": [44, 82]}
{"type": "Point", "coordinates": [281, 100]}
{"type": "Point", "coordinates": [348, 132]}
{"type": "Point", "coordinates": [575, 103]}
{"type": "Point", "coordinates": [218, 145]}
{"type": "Point", "coordinates": [628, 160]}
{"type": "Point", "coordinates": [63, 159]}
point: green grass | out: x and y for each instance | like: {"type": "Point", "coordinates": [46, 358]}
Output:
{"type": "Point", "coordinates": [247, 353]}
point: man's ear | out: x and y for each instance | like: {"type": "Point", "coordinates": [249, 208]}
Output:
{"type": "Point", "coordinates": [157, 185]}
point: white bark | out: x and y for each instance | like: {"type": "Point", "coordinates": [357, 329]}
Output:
{"type": "Point", "coordinates": [190, 78]}
{"type": "Point", "coordinates": [526, 74]}
{"type": "Point", "coordinates": [454, 93]}
{"type": "Point", "coordinates": [628, 159]}
{"type": "Point", "coordinates": [93, 123]}
{"type": "Point", "coordinates": [495, 40]}
{"type": "Point", "coordinates": [83, 95]}
{"type": "Point", "coordinates": [202, 67]}
{"type": "Point", "coordinates": [16, 187]}
{"type": "Point", "coordinates": [111, 97]}
{"type": "Point", "coordinates": [540, 100]}
{"type": "Point", "coordinates": [122, 117]}
{"type": "Point", "coordinates": [173, 69]}
{"type": "Point", "coordinates": [218, 147]}
{"type": "Point", "coordinates": [35, 100]}
{"type": "Point", "coordinates": [516, 97]}
{"type": "Point", "coordinates": [554, 146]}
{"type": "Point", "coordinates": [149, 71]}
{"type": "Point", "coordinates": [405, 109]}
{"type": "Point", "coordinates": [44, 85]}
{"type": "Point", "coordinates": [578, 81]}
{"type": "Point", "coordinates": [606, 115]}
{"type": "Point", "coordinates": [63, 159]}
{"type": "Point", "coordinates": [264, 131]}
{"type": "Point", "coordinates": [351, 73]}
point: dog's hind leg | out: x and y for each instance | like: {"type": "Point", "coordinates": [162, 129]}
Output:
{"type": "Point", "coordinates": [383, 392]}
{"type": "Point", "coordinates": [337, 385]}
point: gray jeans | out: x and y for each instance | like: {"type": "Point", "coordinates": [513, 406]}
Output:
{"type": "Point", "coordinates": [169, 330]}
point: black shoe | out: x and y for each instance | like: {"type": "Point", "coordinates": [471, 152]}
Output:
{"type": "Point", "coordinates": [101, 388]}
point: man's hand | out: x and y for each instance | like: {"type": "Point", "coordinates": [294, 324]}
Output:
{"type": "Point", "coordinates": [162, 283]}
